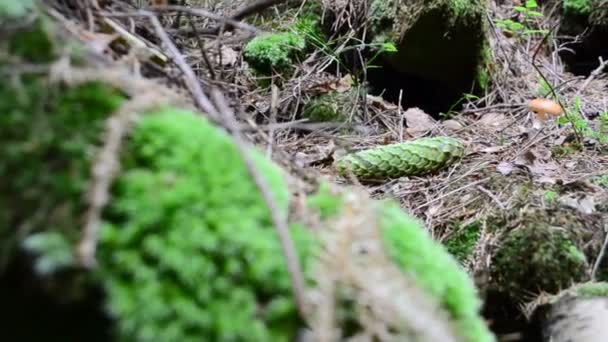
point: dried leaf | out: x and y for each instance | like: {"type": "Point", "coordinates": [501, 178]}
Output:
{"type": "Point", "coordinates": [452, 125]}
{"type": "Point", "coordinates": [379, 102]}
{"type": "Point", "coordinates": [547, 180]}
{"type": "Point", "coordinates": [505, 168]}
{"type": "Point", "coordinates": [492, 149]}
{"type": "Point", "coordinates": [493, 121]}
{"type": "Point", "coordinates": [344, 84]}
{"type": "Point", "coordinates": [418, 122]}
{"type": "Point", "coordinates": [98, 42]}
{"type": "Point", "coordinates": [229, 56]}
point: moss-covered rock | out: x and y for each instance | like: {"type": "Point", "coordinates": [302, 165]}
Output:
{"type": "Point", "coordinates": [536, 257]}
{"type": "Point", "coordinates": [423, 260]}
{"type": "Point", "coordinates": [48, 136]}
{"type": "Point", "coordinates": [577, 7]}
{"type": "Point", "coordinates": [188, 249]}
{"type": "Point", "coordinates": [577, 313]}
{"type": "Point", "coordinates": [277, 51]}
{"type": "Point", "coordinates": [331, 107]}
{"type": "Point", "coordinates": [463, 241]}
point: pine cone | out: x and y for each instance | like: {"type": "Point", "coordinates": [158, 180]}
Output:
{"type": "Point", "coordinates": [411, 158]}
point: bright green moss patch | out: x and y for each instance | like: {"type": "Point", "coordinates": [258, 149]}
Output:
{"type": "Point", "coordinates": [189, 250]}
{"type": "Point", "coordinates": [431, 267]}
{"type": "Point", "coordinates": [435, 270]}
{"type": "Point", "coordinates": [577, 7]}
{"type": "Point", "coordinates": [273, 51]}
{"type": "Point", "coordinates": [277, 51]}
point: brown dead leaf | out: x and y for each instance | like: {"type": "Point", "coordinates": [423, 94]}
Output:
{"type": "Point", "coordinates": [344, 84]}
{"type": "Point", "coordinates": [452, 125]}
{"type": "Point", "coordinates": [98, 42]}
{"type": "Point", "coordinates": [418, 122]}
{"type": "Point", "coordinates": [379, 103]}
{"type": "Point", "coordinates": [492, 149]}
{"type": "Point", "coordinates": [505, 168]}
{"type": "Point", "coordinates": [493, 121]}
{"type": "Point", "coordinates": [229, 56]}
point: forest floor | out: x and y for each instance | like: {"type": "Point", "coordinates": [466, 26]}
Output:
{"type": "Point", "coordinates": [512, 159]}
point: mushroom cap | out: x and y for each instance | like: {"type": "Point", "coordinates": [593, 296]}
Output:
{"type": "Point", "coordinates": [544, 106]}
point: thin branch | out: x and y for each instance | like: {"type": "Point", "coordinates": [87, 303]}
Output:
{"type": "Point", "coordinates": [192, 82]}
{"type": "Point", "coordinates": [224, 114]}
{"type": "Point", "coordinates": [253, 8]}
{"type": "Point", "coordinates": [278, 217]}
{"type": "Point", "coordinates": [593, 74]}
{"type": "Point", "coordinates": [600, 256]}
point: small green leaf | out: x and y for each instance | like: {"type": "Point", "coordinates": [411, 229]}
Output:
{"type": "Point", "coordinates": [531, 4]}
{"type": "Point", "coordinates": [389, 47]}
{"type": "Point", "coordinates": [535, 14]}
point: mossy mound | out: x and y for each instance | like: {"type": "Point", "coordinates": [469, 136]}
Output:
{"type": "Point", "coordinates": [332, 107]}
{"type": "Point", "coordinates": [537, 256]}
{"type": "Point", "coordinates": [463, 241]}
{"type": "Point", "coordinates": [278, 51]}
{"type": "Point", "coordinates": [48, 136]}
{"type": "Point", "coordinates": [189, 249]}
{"type": "Point", "coordinates": [423, 260]}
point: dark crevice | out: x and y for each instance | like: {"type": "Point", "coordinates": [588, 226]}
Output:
{"type": "Point", "coordinates": [430, 96]}
{"type": "Point", "coordinates": [504, 316]}
{"type": "Point", "coordinates": [35, 309]}
{"type": "Point", "coordinates": [581, 56]}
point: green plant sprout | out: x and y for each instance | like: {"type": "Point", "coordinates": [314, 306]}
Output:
{"type": "Point", "coordinates": [516, 28]}
{"type": "Point", "coordinates": [386, 47]}
{"type": "Point", "coordinates": [465, 97]}
{"type": "Point", "coordinates": [582, 125]}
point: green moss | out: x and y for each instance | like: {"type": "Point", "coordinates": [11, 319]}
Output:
{"type": "Point", "coordinates": [485, 64]}
{"type": "Point", "coordinates": [549, 197]}
{"type": "Point", "coordinates": [277, 51]}
{"type": "Point", "coordinates": [334, 106]}
{"type": "Point", "coordinates": [34, 43]}
{"type": "Point", "coordinates": [273, 51]}
{"type": "Point", "coordinates": [591, 290]}
{"type": "Point", "coordinates": [536, 257]}
{"type": "Point", "coordinates": [465, 8]}
{"type": "Point", "coordinates": [461, 244]}
{"type": "Point", "coordinates": [431, 267]}
{"type": "Point", "coordinates": [48, 135]}
{"type": "Point", "coordinates": [577, 7]}
{"type": "Point", "coordinates": [188, 249]}
{"type": "Point", "coordinates": [435, 270]}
